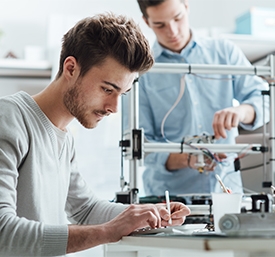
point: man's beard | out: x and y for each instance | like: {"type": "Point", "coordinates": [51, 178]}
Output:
{"type": "Point", "coordinates": [72, 102]}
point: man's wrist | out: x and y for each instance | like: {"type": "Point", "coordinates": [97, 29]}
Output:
{"type": "Point", "coordinates": [188, 160]}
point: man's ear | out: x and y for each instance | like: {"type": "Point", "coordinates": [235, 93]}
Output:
{"type": "Point", "coordinates": [186, 3]}
{"type": "Point", "coordinates": [70, 67]}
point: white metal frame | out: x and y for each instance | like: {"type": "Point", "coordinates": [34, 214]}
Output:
{"type": "Point", "coordinates": [221, 148]}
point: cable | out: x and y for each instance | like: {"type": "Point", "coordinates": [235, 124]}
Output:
{"type": "Point", "coordinates": [238, 185]}
{"type": "Point", "coordinates": [244, 154]}
{"type": "Point", "coordinates": [182, 89]}
{"type": "Point", "coordinates": [206, 152]}
{"type": "Point", "coordinates": [253, 167]}
{"type": "Point", "coordinates": [244, 188]}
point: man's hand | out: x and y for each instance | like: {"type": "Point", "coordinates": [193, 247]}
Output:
{"type": "Point", "coordinates": [138, 216]}
{"type": "Point", "coordinates": [231, 117]}
{"type": "Point", "coordinates": [209, 164]}
{"type": "Point", "coordinates": [177, 161]}
{"type": "Point", "coordinates": [178, 213]}
{"type": "Point", "coordinates": [132, 218]}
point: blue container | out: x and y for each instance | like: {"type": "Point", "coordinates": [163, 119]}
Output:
{"type": "Point", "coordinates": [258, 21]}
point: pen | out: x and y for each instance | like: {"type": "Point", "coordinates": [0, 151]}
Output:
{"type": "Point", "coordinates": [168, 205]}
{"type": "Point", "coordinates": [222, 184]}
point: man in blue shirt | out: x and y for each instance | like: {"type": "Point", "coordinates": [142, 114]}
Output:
{"type": "Point", "coordinates": [177, 106]}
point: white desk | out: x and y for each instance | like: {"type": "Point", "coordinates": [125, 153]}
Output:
{"type": "Point", "coordinates": [190, 246]}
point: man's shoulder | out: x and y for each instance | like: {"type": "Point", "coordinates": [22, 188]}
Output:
{"type": "Point", "coordinates": [7, 102]}
{"type": "Point", "coordinates": [12, 106]}
{"type": "Point", "coordinates": [213, 41]}
{"type": "Point", "coordinates": [12, 98]}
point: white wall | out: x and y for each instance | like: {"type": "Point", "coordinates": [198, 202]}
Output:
{"type": "Point", "coordinates": [25, 22]}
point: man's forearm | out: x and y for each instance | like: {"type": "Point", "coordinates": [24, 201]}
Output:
{"type": "Point", "coordinates": [82, 237]}
{"type": "Point", "coordinates": [177, 161]}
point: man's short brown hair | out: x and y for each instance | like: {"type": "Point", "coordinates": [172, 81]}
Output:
{"type": "Point", "coordinates": [144, 4]}
{"type": "Point", "coordinates": [93, 39]}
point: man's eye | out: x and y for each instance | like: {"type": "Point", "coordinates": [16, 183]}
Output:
{"type": "Point", "coordinates": [160, 26]}
{"type": "Point", "coordinates": [107, 90]}
{"type": "Point", "coordinates": [179, 18]}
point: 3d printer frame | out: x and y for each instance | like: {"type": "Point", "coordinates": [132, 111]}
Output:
{"type": "Point", "coordinates": [133, 145]}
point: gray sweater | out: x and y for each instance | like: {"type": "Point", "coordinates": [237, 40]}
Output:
{"type": "Point", "coordinates": [40, 187]}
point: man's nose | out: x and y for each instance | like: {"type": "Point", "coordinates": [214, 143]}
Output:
{"type": "Point", "coordinates": [112, 105]}
{"type": "Point", "coordinates": [172, 28]}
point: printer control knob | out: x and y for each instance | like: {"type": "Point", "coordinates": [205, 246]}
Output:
{"type": "Point", "coordinates": [229, 222]}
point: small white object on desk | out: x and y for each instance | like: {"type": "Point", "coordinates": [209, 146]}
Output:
{"type": "Point", "coordinates": [168, 205]}
{"type": "Point", "coordinates": [223, 204]}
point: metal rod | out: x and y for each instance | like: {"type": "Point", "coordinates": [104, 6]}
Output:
{"type": "Point", "coordinates": [264, 142]}
{"type": "Point", "coordinates": [210, 69]}
{"type": "Point", "coordinates": [122, 181]}
{"type": "Point", "coordinates": [134, 124]}
{"type": "Point", "coordinates": [271, 121]}
{"type": "Point", "coordinates": [217, 148]}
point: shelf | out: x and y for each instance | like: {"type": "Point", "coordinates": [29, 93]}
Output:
{"type": "Point", "coordinates": [255, 48]}
{"type": "Point", "coordinates": [24, 68]}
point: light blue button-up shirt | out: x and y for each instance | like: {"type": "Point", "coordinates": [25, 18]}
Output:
{"type": "Point", "coordinates": [193, 115]}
